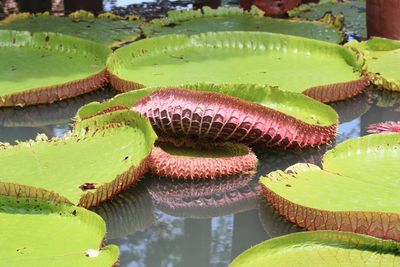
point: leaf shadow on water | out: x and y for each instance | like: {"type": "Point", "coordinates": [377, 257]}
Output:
{"type": "Point", "coordinates": [60, 112]}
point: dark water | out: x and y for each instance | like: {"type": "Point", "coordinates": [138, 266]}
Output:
{"type": "Point", "coordinates": [208, 223]}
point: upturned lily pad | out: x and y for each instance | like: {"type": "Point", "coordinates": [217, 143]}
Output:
{"type": "Point", "coordinates": [382, 61]}
{"type": "Point", "coordinates": [106, 29]}
{"type": "Point", "coordinates": [355, 191]}
{"type": "Point", "coordinates": [204, 198]}
{"type": "Point", "coordinates": [324, 71]}
{"type": "Point", "coordinates": [354, 12]}
{"type": "Point", "coordinates": [210, 116]}
{"type": "Point", "coordinates": [102, 156]}
{"type": "Point", "coordinates": [321, 248]}
{"type": "Point", "coordinates": [37, 232]}
{"type": "Point", "coordinates": [204, 162]}
{"type": "Point", "coordinates": [385, 127]}
{"type": "Point", "coordinates": [45, 67]}
{"type": "Point", "coordinates": [313, 122]}
{"type": "Point", "coordinates": [235, 19]}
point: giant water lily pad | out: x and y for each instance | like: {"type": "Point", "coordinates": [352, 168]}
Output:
{"type": "Point", "coordinates": [107, 29]}
{"type": "Point", "coordinates": [382, 60]}
{"type": "Point", "coordinates": [356, 190]}
{"type": "Point", "coordinates": [325, 71]}
{"type": "Point", "coordinates": [322, 248]}
{"type": "Point", "coordinates": [353, 11]}
{"type": "Point", "coordinates": [37, 232]}
{"type": "Point", "coordinates": [46, 67]}
{"type": "Point", "coordinates": [235, 19]}
{"type": "Point", "coordinates": [102, 156]}
{"type": "Point", "coordinates": [284, 119]}
{"type": "Point", "coordinates": [204, 162]}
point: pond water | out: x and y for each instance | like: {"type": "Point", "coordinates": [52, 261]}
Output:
{"type": "Point", "coordinates": [161, 222]}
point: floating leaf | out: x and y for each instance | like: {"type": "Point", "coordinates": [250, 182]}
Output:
{"type": "Point", "coordinates": [388, 127]}
{"type": "Point", "coordinates": [382, 60]}
{"type": "Point", "coordinates": [191, 114]}
{"type": "Point", "coordinates": [60, 67]}
{"type": "Point", "coordinates": [277, 109]}
{"type": "Point", "coordinates": [205, 162]}
{"type": "Point", "coordinates": [102, 156]}
{"type": "Point", "coordinates": [37, 232]}
{"type": "Point", "coordinates": [324, 71]}
{"type": "Point", "coordinates": [110, 30]}
{"type": "Point", "coordinates": [356, 191]}
{"type": "Point", "coordinates": [321, 248]}
{"type": "Point", "coordinates": [354, 12]}
{"type": "Point", "coordinates": [235, 19]}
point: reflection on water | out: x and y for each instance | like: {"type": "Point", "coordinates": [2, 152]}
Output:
{"type": "Point", "coordinates": [161, 222]}
{"type": "Point", "coordinates": [52, 119]}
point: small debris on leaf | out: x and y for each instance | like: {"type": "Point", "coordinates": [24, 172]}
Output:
{"type": "Point", "coordinates": [92, 253]}
{"type": "Point", "coordinates": [87, 186]}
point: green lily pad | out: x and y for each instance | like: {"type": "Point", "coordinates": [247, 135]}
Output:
{"type": "Point", "coordinates": [355, 191]}
{"type": "Point", "coordinates": [321, 248]}
{"type": "Point", "coordinates": [235, 19]}
{"type": "Point", "coordinates": [327, 72]}
{"type": "Point", "coordinates": [107, 29]}
{"type": "Point", "coordinates": [102, 156]}
{"type": "Point", "coordinates": [36, 232]}
{"type": "Point", "coordinates": [354, 12]}
{"type": "Point", "coordinates": [382, 60]}
{"type": "Point", "coordinates": [60, 67]}
{"type": "Point", "coordinates": [210, 161]}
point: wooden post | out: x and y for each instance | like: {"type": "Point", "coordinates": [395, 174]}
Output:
{"type": "Point", "coordinates": [383, 18]}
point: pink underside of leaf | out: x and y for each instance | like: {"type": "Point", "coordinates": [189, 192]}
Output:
{"type": "Point", "coordinates": [209, 116]}
{"type": "Point", "coordinates": [165, 164]}
{"type": "Point", "coordinates": [107, 191]}
{"type": "Point", "coordinates": [338, 91]}
{"type": "Point", "coordinates": [385, 127]}
{"type": "Point", "coordinates": [56, 92]}
{"type": "Point", "coordinates": [378, 224]}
